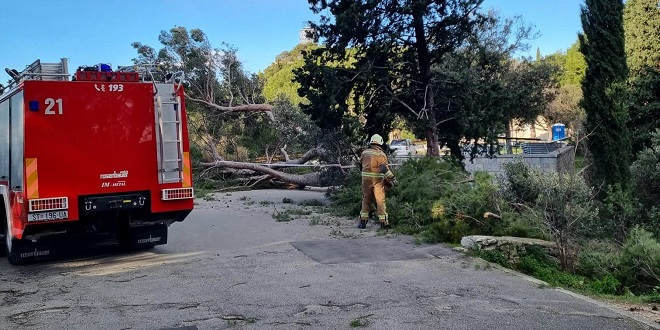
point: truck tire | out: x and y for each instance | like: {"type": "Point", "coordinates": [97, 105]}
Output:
{"type": "Point", "coordinates": [13, 254]}
{"type": "Point", "coordinates": [3, 228]}
{"type": "Point", "coordinates": [11, 245]}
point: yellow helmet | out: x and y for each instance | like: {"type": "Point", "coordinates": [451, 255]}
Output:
{"type": "Point", "coordinates": [376, 139]}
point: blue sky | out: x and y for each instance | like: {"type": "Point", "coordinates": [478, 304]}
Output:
{"type": "Point", "coordinates": [89, 32]}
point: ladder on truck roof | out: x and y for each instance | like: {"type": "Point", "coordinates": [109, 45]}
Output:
{"type": "Point", "coordinates": [169, 133]}
{"type": "Point", "coordinates": [37, 71]}
{"type": "Point", "coordinates": [42, 71]}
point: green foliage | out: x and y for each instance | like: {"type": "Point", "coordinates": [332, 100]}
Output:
{"type": "Point", "coordinates": [282, 216]}
{"type": "Point", "coordinates": [598, 258]}
{"type": "Point", "coordinates": [644, 109]}
{"type": "Point", "coordinates": [279, 79]}
{"type": "Point", "coordinates": [493, 256]}
{"type": "Point", "coordinates": [315, 220]}
{"type": "Point", "coordinates": [604, 90]}
{"type": "Point", "coordinates": [392, 46]}
{"type": "Point", "coordinates": [439, 202]}
{"type": "Point", "coordinates": [641, 20]}
{"type": "Point", "coordinates": [574, 66]}
{"type": "Point", "coordinates": [561, 207]}
{"type": "Point", "coordinates": [483, 88]}
{"type": "Point", "coordinates": [359, 322]}
{"type": "Point", "coordinates": [606, 285]}
{"type": "Point", "coordinates": [347, 198]}
{"type": "Point", "coordinates": [642, 31]}
{"type": "Point", "coordinates": [634, 266]}
{"type": "Point", "coordinates": [640, 261]}
{"type": "Point", "coordinates": [646, 182]}
{"type": "Point", "coordinates": [519, 181]}
{"type": "Point", "coordinates": [523, 223]}
{"type": "Point", "coordinates": [536, 263]}
{"type": "Point", "coordinates": [621, 210]}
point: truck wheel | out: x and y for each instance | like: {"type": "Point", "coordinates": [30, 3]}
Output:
{"type": "Point", "coordinates": [11, 246]}
{"type": "Point", "coordinates": [12, 252]}
{"type": "Point", "coordinates": [3, 228]}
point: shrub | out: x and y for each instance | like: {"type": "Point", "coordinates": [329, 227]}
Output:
{"type": "Point", "coordinates": [640, 261]}
{"type": "Point", "coordinates": [607, 285]}
{"type": "Point", "coordinates": [562, 205]}
{"type": "Point", "coordinates": [524, 223]}
{"type": "Point", "coordinates": [618, 213]}
{"type": "Point", "coordinates": [493, 256]}
{"type": "Point", "coordinates": [520, 182]}
{"type": "Point", "coordinates": [646, 183]}
{"type": "Point", "coordinates": [536, 263]}
{"type": "Point", "coordinates": [598, 259]}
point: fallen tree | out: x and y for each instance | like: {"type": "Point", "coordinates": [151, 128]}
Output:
{"type": "Point", "coordinates": [230, 124]}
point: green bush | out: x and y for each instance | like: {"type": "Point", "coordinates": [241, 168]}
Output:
{"type": "Point", "coordinates": [598, 259]}
{"type": "Point", "coordinates": [522, 224]}
{"type": "Point", "coordinates": [646, 183]}
{"type": "Point", "coordinates": [493, 256]}
{"type": "Point", "coordinates": [606, 285]}
{"type": "Point", "coordinates": [520, 181]}
{"type": "Point", "coordinates": [639, 264]}
{"type": "Point", "coordinates": [618, 212]}
{"type": "Point", "coordinates": [536, 263]}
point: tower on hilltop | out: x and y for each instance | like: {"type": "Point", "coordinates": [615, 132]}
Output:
{"type": "Point", "coordinates": [308, 34]}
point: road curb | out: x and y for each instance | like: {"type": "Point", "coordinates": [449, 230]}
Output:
{"type": "Point", "coordinates": [613, 309]}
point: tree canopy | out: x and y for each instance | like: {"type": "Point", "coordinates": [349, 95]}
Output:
{"type": "Point", "coordinates": [279, 79]}
{"type": "Point", "coordinates": [395, 45]}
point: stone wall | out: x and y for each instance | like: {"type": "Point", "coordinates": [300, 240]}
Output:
{"type": "Point", "coordinates": [561, 160]}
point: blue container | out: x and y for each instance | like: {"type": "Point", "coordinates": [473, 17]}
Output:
{"type": "Point", "coordinates": [558, 132]}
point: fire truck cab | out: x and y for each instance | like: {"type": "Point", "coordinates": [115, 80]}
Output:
{"type": "Point", "coordinates": [101, 154]}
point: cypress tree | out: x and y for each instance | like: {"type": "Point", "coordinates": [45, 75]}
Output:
{"type": "Point", "coordinates": [604, 89]}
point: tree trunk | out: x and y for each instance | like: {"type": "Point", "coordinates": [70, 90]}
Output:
{"type": "Point", "coordinates": [509, 149]}
{"type": "Point", "coordinates": [423, 56]}
{"type": "Point", "coordinates": [309, 179]}
{"type": "Point", "coordinates": [432, 147]}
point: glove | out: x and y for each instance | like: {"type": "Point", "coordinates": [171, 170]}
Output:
{"type": "Point", "coordinates": [394, 182]}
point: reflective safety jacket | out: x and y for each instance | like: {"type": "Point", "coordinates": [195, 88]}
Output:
{"type": "Point", "coordinates": [374, 164]}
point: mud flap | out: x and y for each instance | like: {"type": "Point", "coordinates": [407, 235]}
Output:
{"type": "Point", "coordinates": [143, 237]}
{"type": "Point", "coordinates": [25, 251]}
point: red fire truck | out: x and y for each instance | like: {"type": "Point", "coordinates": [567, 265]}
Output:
{"type": "Point", "coordinates": [101, 154]}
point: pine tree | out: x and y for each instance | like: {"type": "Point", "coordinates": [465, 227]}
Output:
{"type": "Point", "coordinates": [604, 89]}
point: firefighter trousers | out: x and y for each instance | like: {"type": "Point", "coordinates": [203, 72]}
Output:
{"type": "Point", "coordinates": [373, 190]}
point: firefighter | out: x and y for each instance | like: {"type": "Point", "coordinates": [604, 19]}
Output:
{"type": "Point", "coordinates": [376, 176]}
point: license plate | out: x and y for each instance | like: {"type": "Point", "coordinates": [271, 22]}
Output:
{"type": "Point", "coordinates": [46, 216]}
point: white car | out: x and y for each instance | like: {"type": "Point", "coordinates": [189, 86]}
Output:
{"type": "Point", "coordinates": [403, 147]}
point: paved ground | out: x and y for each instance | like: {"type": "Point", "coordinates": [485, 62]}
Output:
{"type": "Point", "coordinates": [232, 265]}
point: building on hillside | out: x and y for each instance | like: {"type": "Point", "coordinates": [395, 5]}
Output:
{"type": "Point", "coordinates": [307, 34]}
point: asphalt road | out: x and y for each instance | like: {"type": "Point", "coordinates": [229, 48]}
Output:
{"type": "Point", "coordinates": [232, 265]}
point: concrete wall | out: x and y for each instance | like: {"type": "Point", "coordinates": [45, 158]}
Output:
{"type": "Point", "coordinates": [561, 160]}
